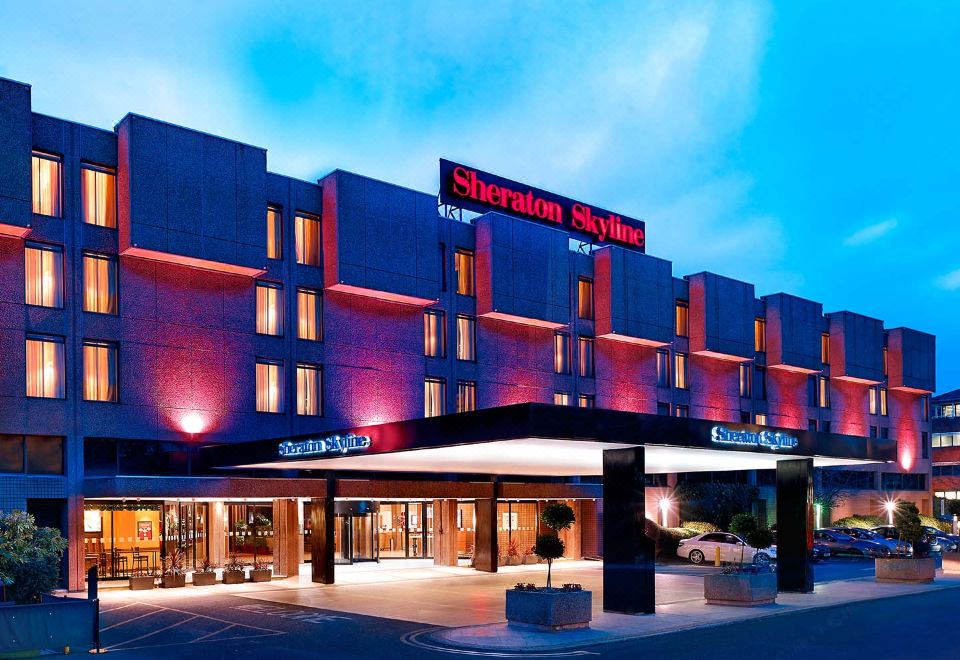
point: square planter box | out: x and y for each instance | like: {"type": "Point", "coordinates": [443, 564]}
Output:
{"type": "Point", "coordinates": [530, 559]}
{"type": "Point", "coordinates": [233, 577]}
{"type": "Point", "coordinates": [261, 576]}
{"type": "Point", "coordinates": [951, 562]}
{"type": "Point", "coordinates": [550, 610]}
{"type": "Point", "coordinates": [740, 589]}
{"type": "Point", "coordinates": [903, 569]}
{"type": "Point", "coordinates": [174, 581]}
{"type": "Point", "coordinates": [142, 582]}
{"type": "Point", "coordinates": [204, 579]}
{"type": "Point", "coordinates": [514, 561]}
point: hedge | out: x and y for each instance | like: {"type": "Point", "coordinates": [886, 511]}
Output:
{"type": "Point", "coordinates": [700, 527]}
{"type": "Point", "coordinates": [868, 522]}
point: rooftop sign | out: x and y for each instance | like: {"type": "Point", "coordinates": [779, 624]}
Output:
{"type": "Point", "coordinates": [334, 445]}
{"type": "Point", "coordinates": [475, 190]}
{"type": "Point", "coordinates": [774, 440]}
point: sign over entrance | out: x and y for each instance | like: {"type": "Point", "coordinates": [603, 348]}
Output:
{"type": "Point", "coordinates": [774, 440]}
{"type": "Point", "coordinates": [334, 445]}
{"type": "Point", "coordinates": [475, 190]}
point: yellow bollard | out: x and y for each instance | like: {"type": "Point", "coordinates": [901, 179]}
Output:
{"type": "Point", "coordinates": [716, 558]}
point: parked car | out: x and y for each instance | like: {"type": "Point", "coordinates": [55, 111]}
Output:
{"type": "Point", "coordinates": [820, 551]}
{"type": "Point", "coordinates": [704, 548]}
{"type": "Point", "coordinates": [844, 544]}
{"type": "Point", "coordinates": [947, 541]}
{"type": "Point", "coordinates": [891, 532]}
{"type": "Point", "coordinates": [895, 546]}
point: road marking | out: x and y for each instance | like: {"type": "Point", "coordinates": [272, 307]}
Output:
{"type": "Point", "coordinates": [215, 632]}
{"type": "Point", "coordinates": [413, 639]}
{"type": "Point", "coordinates": [153, 632]}
{"type": "Point", "coordinates": [213, 618]}
{"type": "Point", "coordinates": [291, 613]}
{"type": "Point", "coordinates": [205, 641]}
{"type": "Point", "coordinates": [114, 609]}
{"type": "Point", "coordinates": [134, 618]}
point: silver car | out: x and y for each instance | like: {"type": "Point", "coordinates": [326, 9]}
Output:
{"type": "Point", "coordinates": [895, 546]}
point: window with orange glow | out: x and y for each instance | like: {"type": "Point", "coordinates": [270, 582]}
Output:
{"type": "Point", "coordinates": [585, 298]}
{"type": "Point", "coordinates": [561, 398]}
{"type": "Point", "coordinates": [309, 314]}
{"type": "Point", "coordinates": [275, 233]}
{"type": "Point", "coordinates": [99, 283]}
{"type": "Point", "coordinates": [269, 309]}
{"type": "Point", "coordinates": [307, 230]}
{"type": "Point", "coordinates": [45, 367]}
{"type": "Point", "coordinates": [760, 419]}
{"type": "Point", "coordinates": [269, 386]}
{"type": "Point", "coordinates": [824, 391]}
{"type": "Point", "coordinates": [466, 338]}
{"type": "Point", "coordinates": [43, 275]}
{"type": "Point", "coordinates": [466, 395]}
{"type": "Point", "coordinates": [434, 333]}
{"type": "Point", "coordinates": [99, 371]}
{"type": "Point", "coordinates": [585, 366]}
{"type": "Point", "coordinates": [825, 348]}
{"type": "Point", "coordinates": [463, 264]}
{"type": "Point", "coordinates": [309, 389]}
{"type": "Point", "coordinates": [561, 353]}
{"type": "Point", "coordinates": [681, 380]}
{"type": "Point", "coordinates": [683, 319]}
{"type": "Point", "coordinates": [98, 191]}
{"type": "Point", "coordinates": [434, 396]}
{"type": "Point", "coordinates": [47, 177]}
{"type": "Point", "coordinates": [586, 401]}
{"type": "Point", "coordinates": [760, 335]}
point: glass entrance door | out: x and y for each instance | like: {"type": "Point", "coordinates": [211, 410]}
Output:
{"type": "Point", "coordinates": [354, 532]}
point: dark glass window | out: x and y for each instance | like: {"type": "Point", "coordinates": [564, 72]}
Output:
{"type": "Point", "coordinates": [44, 454]}
{"type": "Point", "coordinates": [99, 457]}
{"type": "Point", "coordinates": [11, 453]}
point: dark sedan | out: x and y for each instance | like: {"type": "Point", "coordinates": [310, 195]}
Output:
{"type": "Point", "coordinates": [844, 544]}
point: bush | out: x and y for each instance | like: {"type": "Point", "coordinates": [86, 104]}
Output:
{"type": "Point", "coordinates": [943, 526]}
{"type": "Point", "coordinates": [953, 507]}
{"type": "Point", "coordinates": [907, 519]}
{"type": "Point", "coordinates": [760, 538]}
{"type": "Point", "coordinates": [29, 557]}
{"type": "Point", "coordinates": [744, 524]}
{"type": "Point", "coordinates": [699, 527]}
{"type": "Point", "coordinates": [862, 521]}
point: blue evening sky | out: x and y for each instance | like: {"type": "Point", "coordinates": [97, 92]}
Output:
{"type": "Point", "coordinates": [808, 147]}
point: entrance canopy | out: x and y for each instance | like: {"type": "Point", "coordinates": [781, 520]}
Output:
{"type": "Point", "coordinates": [544, 440]}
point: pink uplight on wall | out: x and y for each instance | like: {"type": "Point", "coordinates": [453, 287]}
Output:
{"type": "Point", "coordinates": [191, 423]}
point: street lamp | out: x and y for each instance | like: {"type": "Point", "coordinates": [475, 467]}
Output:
{"type": "Point", "coordinates": [890, 506]}
{"type": "Point", "coordinates": [664, 510]}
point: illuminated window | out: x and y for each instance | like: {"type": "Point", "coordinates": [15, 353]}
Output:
{"type": "Point", "coordinates": [883, 400]}
{"type": "Point", "coordinates": [307, 230]}
{"type": "Point", "coordinates": [683, 319]}
{"type": "Point", "coordinates": [872, 392]}
{"type": "Point", "coordinates": [46, 184]}
{"type": "Point", "coordinates": [466, 395]}
{"type": "Point", "coordinates": [760, 335]}
{"type": "Point", "coordinates": [585, 357]}
{"type": "Point", "coordinates": [760, 419]}
{"type": "Point", "coordinates": [561, 398]}
{"type": "Point", "coordinates": [681, 380]}
{"type": "Point", "coordinates": [269, 309]}
{"type": "Point", "coordinates": [434, 396]}
{"type": "Point", "coordinates": [44, 275]}
{"type": "Point", "coordinates": [99, 283]}
{"type": "Point", "coordinates": [585, 298]}
{"type": "Point", "coordinates": [825, 348]}
{"type": "Point", "coordinates": [464, 266]}
{"type": "Point", "coordinates": [45, 368]}
{"type": "Point", "coordinates": [885, 373]}
{"type": "Point", "coordinates": [586, 401]}
{"type": "Point", "coordinates": [309, 389]}
{"type": "Point", "coordinates": [434, 333]}
{"type": "Point", "coordinates": [663, 368]}
{"type": "Point", "coordinates": [98, 190]}
{"type": "Point", "coordinates": [99, 371]}
{"type": "Point", "coordinates": [744, 379]}
{"type": "Point", "coordinates": [309, 314]}
{"type": "Point", "coordinates": [275, 234]}
{"type": "Point", "coordinates": [682, 410]}
{"type": "Point", "coordinates": [823, 391]}
{"type": "Point", "coordinates": [561, 353]}
{"type": "Point", "coordinates": [466, 338]}
{"type": "Point", "coordinates": [269, 386]}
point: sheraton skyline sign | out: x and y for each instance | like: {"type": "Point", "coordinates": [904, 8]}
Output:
{"type": "Point", "coordinates": [475, 190]}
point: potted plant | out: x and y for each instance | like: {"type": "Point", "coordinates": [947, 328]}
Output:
{"type": "Point", "coordinates": [513, 553]}
{"type": "Point", "coordinates": [548, 608]}
{"type": "Point", "coordinates": [919, 568]}
{"type": "Point", "coordinates": [261, 572]}
{"type": "Point", "coordinates": [744, 586]}
{"type": "Point", "coordinates": [206, 575]}
{"type": "Point", "coordinates": [144, 579]}
{"type": "Point", "coordinates": [529, 557]}
{"type": "Point", "coordinates": [233, 571]}
{"type": "Point", "coordinates": [174, 575]}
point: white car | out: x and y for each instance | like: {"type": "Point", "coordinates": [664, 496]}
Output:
{"type": "Point", "coordinates": [703, 548]}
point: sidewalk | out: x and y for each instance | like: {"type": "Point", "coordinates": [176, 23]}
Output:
{"type": "Point", "coordinates": [673, 617]}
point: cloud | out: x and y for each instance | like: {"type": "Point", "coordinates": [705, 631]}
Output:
{"type": "Point", "coordinates": [871, 233]}
{"type": "Point", "coordinates": [949, 281]}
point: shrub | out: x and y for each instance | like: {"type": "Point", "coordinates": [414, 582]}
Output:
{"type": "Point", "coordinates": [207, 566]}
{"type": "Point", "coordinates": [936, 524]}
{"type": "Point", "coordinates": [513, 548]}
{"type": "Point", "coordinates": [700, 527]}
{"type": "Point", "coordinates": [259, 565]}
{"type": "Point", "coordinates": [760, 538]}
{"type": "Point", "coordinates": [173, 562]}
{"type": "Point", "coordinates": [858, 520]}
{"type": "Point", "coordinates": [743, 524]}
{"type": "Point", "coordinates": [233, 565]}
{"type": "Point", "coordinates": [907, 519]}
{"type": "Point", "coordinates": [29, 557]}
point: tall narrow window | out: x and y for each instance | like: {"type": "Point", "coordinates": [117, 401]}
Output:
{"type": "Point", "coordinates": [745, 379]}
{"type": "Point", "coordinates": [682, 410]}
{"type": "Point", "coordinates": [872, 397]}
{"type": "Point", "coordinates": [824, 391]}
{"type": "Point", "coordinates": [99, 371]}
{"type": "Point", "coordinates": [885, 371]}
{"type": "Point", "coordinates": [586, 401]}
{"type": "Point", "coordinates": [585, 298]}
{"type": "Point", "coordinates": [307, 230]}
{"type": "Point", "coordinates": [466, 338]}
{"type": "Point", "coordinates": [434, 396]}
{"type": "Point", "coordinates": [309, 314]}
{"type": "Point", "coordinates": [47, 182]}
{"type": "Point", "coordinates": [760, 383]}
{"type": "Point", "coordinates": [925, 444]}
{"type": "Point", "coordinates": [825, 348]}
{"type": "Point", "coordinates": [683, 319]}
{"type": "Point", "coordinates": [463, 264]}
{"type": "Point", "coordinates": [681, 380]}
{"type": "Point", "coordinates": [269, 386]}
{"type": "Point", "coordinates": [883, 400]}
{"type": "Point", "coordinates": [309, 389]}
{"type": "Point", "coordinates": [663, 368]}
{"type": "Point", "coordinates": [99, 283]}
{"type": "Point", "coordinates": [269, 309]}
{"type": "Point", "coordinates": [98, 188]}
{"type": "Point", "coordinates": [44, 275]}
{"type": "Point", "coordinates": [561, 398]}
{"type": "Point", "coordinates": [760, 335]}
{"type": "Point", "coordinates": [561, 353]}
{"type": "Point", "coordinates": [585, 357]}
{"type": "Point", "coordinates": [275, 234]}
{"type": "Point", "coordinates": [45, 367]}
{"type": "Point", "coordinates": [466, 395]}
{"type": "Point", "coordinates": [434, 333]}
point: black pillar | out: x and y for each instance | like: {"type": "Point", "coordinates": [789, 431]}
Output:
{"type": "Point", "coordinates": [795, 525]}
{"type": "Point", "coordinates": [628, 555]}
{"type": "Point", "coordinates": [321, 539]}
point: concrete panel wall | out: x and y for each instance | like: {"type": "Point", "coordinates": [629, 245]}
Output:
{"type": "Point", "coordinates": [911, 359]}
{"type": "Point", "coordinates": [15, 149]}
{"type": "Point", "coordinates": [634, 295]}
{"type": "Point", "coordinates": [721, 315]}
{"type": "Point", "coordinates": [856, 346]}
{"type": "Point", "coordinates": [793, 331]}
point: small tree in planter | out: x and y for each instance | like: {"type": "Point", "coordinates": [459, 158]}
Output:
{"type": "Point", "coordinates": [555, 517]}
{"type": "Point", "coordinates": [548, 548]}
{"type": "Point", "coordinates": [736, 585]}
{"type": "Point", "coordinates": [174, 574]}
{"type": "Point", "coordinates": [233, 571]}
{"type": "Point", "coordinates": [261, 572]}
{"type": "Point", "coordinates": [206, 575]}
{"type": "Point", "coordinates": [919, 568]}
{"type": "Point", "coordinates": [29, 557]}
